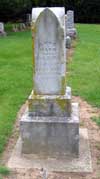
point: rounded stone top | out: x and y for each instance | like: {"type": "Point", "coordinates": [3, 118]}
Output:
{"type": "Point", "coordinates": [58, 11]}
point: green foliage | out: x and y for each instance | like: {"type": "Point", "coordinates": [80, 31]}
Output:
{"type": "Point", "coordinates": [4, 171]}
{"type": "Point", "coordinates": [14, 9]}
{"type": "Point", "coordinates": [88, 11]}
{"type": "Point", "coordinates": [85, 10]}
{"type": "Point", "coordinates": [48, 3]}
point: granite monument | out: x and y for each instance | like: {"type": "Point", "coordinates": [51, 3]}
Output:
{"type": "Point", "coordinates": [50, 125]}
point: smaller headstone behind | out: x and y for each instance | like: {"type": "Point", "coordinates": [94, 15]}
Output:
{"type": "Point", "coordinates": [28, 19]}
{"type": "Point", "coordinates": [2, 32]}
{"type": "Point", "coordinates": [69, 22]}
{"type": "Point", "coordinates": [1, 27]}
{"type": "Point", "coordinates": [68, 42]}
{"type": "Point", "coordinates": [22, 27]}
{"type": "Point", "coordinates": [15, 28]}
{"type": "Point", "coordinates": [70, 19]}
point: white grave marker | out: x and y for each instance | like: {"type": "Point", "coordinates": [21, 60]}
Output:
{"type": "Point", "coordinates": [49, 53]}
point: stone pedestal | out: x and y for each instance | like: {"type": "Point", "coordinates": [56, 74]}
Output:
{"type": "Point", "coordinates": [50, 126]}
{"type": "Point", "coordinates": [51, 136]}
{"type": "Point", "coordinates": [81, 164]}
{"type": "Point", "coordinates": [50, 105]}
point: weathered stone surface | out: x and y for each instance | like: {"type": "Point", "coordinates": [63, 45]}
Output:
{"type": "Point", "coordinates": [58, 11]}
{"type": "Point", "coordinates": [69, 24]}
{"type": "Point", "coordinates": [1, 27]}
{"type": "Point", "coordinates": [65, 25]}
{"type": "Point", "coordinates": [58, 164]}
{"type": "Point", "coordinates": [51, 136]}
{"type": "Point", "coordinates": [49, 54]}
{"type": "Point", "coordinates": [68, 42]}
{"type": "Point", "coordinates": [28, 19]}
{"type": "Point", "coordinates": [72, 33]}
{"type": "Point", "coordinates": [47, 105]}
{"type": "Point", "coordinates": [70, 19]}
{"type": "Point", "coordinates": [50, 127]}
{"type": "Point", "coordinates": [2, 32]}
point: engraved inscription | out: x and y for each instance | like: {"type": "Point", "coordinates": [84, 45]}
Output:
{"type": "Point", "coordinates": [47, 62]}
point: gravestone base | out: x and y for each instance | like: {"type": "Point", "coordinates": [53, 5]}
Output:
{"type": "Point", "coordinates": [72, 33]}
{"type": "Point", "coordinates": [50, 105]}
{"type": "Point", "coordinates": [30, 161]}
{"type": "Point", "coordinates": [51, 136]}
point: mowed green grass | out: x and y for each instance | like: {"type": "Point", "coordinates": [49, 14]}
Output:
{"type": "Point", "coordinates": [84, 70]}
{"type": "Point", "coordinates": [15, 79]}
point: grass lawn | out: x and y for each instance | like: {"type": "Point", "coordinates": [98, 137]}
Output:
{"type": "Point", "coordinates": [15, 79]}
{"type": "Point", "coordinates": [16, 73]}
{"type": "Point", "coordinates": [84, 71]}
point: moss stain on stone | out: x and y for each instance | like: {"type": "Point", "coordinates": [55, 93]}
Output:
{"type": "Point", "coordinates": [62, 103]}
{"type": "Point", "coordinates": [63, 84]}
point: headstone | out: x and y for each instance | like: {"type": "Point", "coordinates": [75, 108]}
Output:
{"type": "Point", "coordinates": [15, 28]}
{"type": "Point", "coordinates": [28, 19]}
{"type": "Point", "coordinates": [22, 27]}
{"type": "Point", "coordinates": [59, 12]}
{"type": "Point", "coordinates": [68, 42]}
{"type": "Point", "coordinates": [65, 25]}
{"type": "Point", "coordinates": [1, 27]}
{"type": "Point", "coordinates": [49, 61]}
{"type": "Point", "coordinates": [2, 32]}
{"type": "Point", "coordinates": [69, 21]}
{"type": "Point", "coordinates": [50, 126]}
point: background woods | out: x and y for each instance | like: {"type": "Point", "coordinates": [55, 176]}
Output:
{"type": "Point", "coordinates": [86, 11]}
